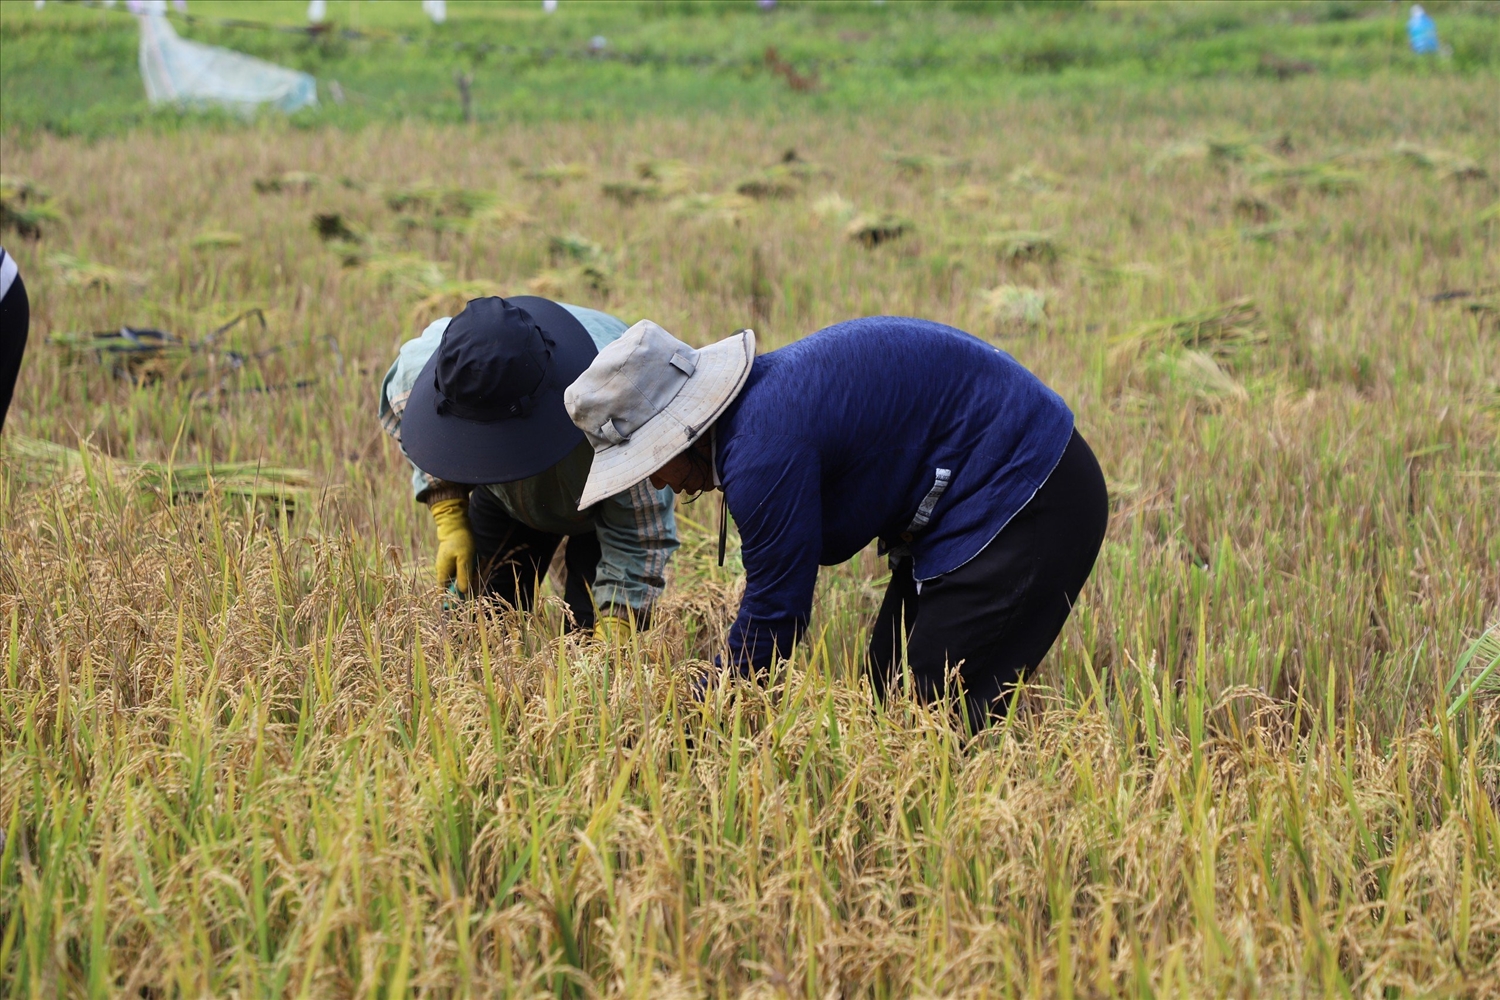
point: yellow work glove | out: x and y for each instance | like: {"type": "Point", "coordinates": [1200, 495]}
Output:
{"type": "Point", "coordinates": [614, 630]}
{"type": "Point", "coordinates": [455, 554]}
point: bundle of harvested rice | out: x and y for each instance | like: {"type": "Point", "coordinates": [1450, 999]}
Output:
{"type": "Point", "coordinates": [144, 355]}
{"type": "Point", "coordinates": [45, 460]}
{"type": "Point", "coordinates": [579, 264]}
{"type": "Point", "coordinates": [26, 207]}
{"type": "Point", "coordinates": [448, 298]}
{"type": "Point", "coordinates": [216, 239]}
{"type": "Point", "coordinates": [433, 200]}
{"type": "Point", "coordinates": [76, 272]}
{"type": "Point", "coordinates": [918, 164]}
{"type": "Point", "coordinates": [1255, 209]}
{"type": "Point", "coordinates": [1015, 305]}
{"type": "Point", "coordinates": [561, 282]}
{"type": "Point", "coordinates": [1325, 177]}
{"type": "Point", "coordinates": [1220, 150]}
{"type": "Point", "coordinates": [672, 177]}
{"type": "Point", "coordinates": [779, 181]}
{"type": "Point", "coordinates": [1024, 244]}
{"type": "Point", "coordinates": [873, 230]}
{"type": "Point", "coordinates": [331, 227]}
{"type": "Point", "coordinates": [970, 196]}
{"type": "Point", "coordinates": [1440, 161]}
{"type": "Point", "coordinates": [1199, 374]}
{"type": "Point", "coordinates": [1221, 329]}
{"type": "Point", "coordinates": [289, 181]}
{"type": "Point", "coordinates": [575, 248]}
{"type": "Point", "coordinates": [726, 208]}
{"type": "Point", "coordinates": [1035, 179]}
{"type": "Point", "coordinates": [631, 192]}
{"type": "Point", "coordinates": [834, 207]}
{"type": "Point", "coordinates": [557, 174]}
{"type": "Point", "coordinates": [1271, 232]}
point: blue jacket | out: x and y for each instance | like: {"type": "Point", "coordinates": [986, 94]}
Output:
{"type": "Point", "coordinates": [899, 429]}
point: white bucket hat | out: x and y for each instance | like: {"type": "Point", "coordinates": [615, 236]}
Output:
{"type": "Point", "coordinates": [647, 397]}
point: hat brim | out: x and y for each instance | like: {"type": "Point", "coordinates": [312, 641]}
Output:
{"type": "Point", "coordinates": [503, 451]}
{"type": "Point", "coordinates": [720, 373]}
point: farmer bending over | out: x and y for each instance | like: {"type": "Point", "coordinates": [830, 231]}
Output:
{"type": "Point", "coordinates": [476, 403]}
{"type": "Point", "coordinates": [962, 464]}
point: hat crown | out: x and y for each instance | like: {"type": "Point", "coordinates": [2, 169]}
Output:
{"type": "Point", "coordinates": [491, 363]}
{"type": "Point", "coordinates": [630, 383]}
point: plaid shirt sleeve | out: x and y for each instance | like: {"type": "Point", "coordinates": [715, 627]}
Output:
{"type": "Point", "coordinates": [394, 392]}
{"type": "Point", "coordinates": [637, 533]}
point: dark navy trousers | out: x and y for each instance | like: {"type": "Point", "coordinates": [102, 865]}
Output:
{"type": "Point", "coordinates": [986, 623]}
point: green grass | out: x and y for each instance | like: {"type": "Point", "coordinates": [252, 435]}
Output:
{"type": "Point", "coordinates": [669, 58]}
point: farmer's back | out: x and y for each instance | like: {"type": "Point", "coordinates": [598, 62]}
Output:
{"type": "Point", "coordinates": [865, 413]}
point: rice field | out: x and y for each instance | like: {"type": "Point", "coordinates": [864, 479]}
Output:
{"type": "Point", "coordinates": [244, 750]}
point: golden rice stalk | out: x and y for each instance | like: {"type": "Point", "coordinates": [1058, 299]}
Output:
{"type": "Point", "coordinates": [1477, 671]}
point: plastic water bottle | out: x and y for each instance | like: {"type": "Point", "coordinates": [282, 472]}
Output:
{"type": "Point", "coordinates": [1422, 31]}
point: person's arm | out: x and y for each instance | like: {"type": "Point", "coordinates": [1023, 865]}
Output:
{"type": "Point", "coordinates": [447, 502]}
{"type": "Point", "coordinates": [781, 537]}
{"type": "Point", "coordinates": [637, 533]}
{"type": "Point", "coordinates": [395, 389]}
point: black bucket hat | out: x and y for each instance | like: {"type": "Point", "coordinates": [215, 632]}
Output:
{"type": "Point", "coordinates": [488, 405]}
